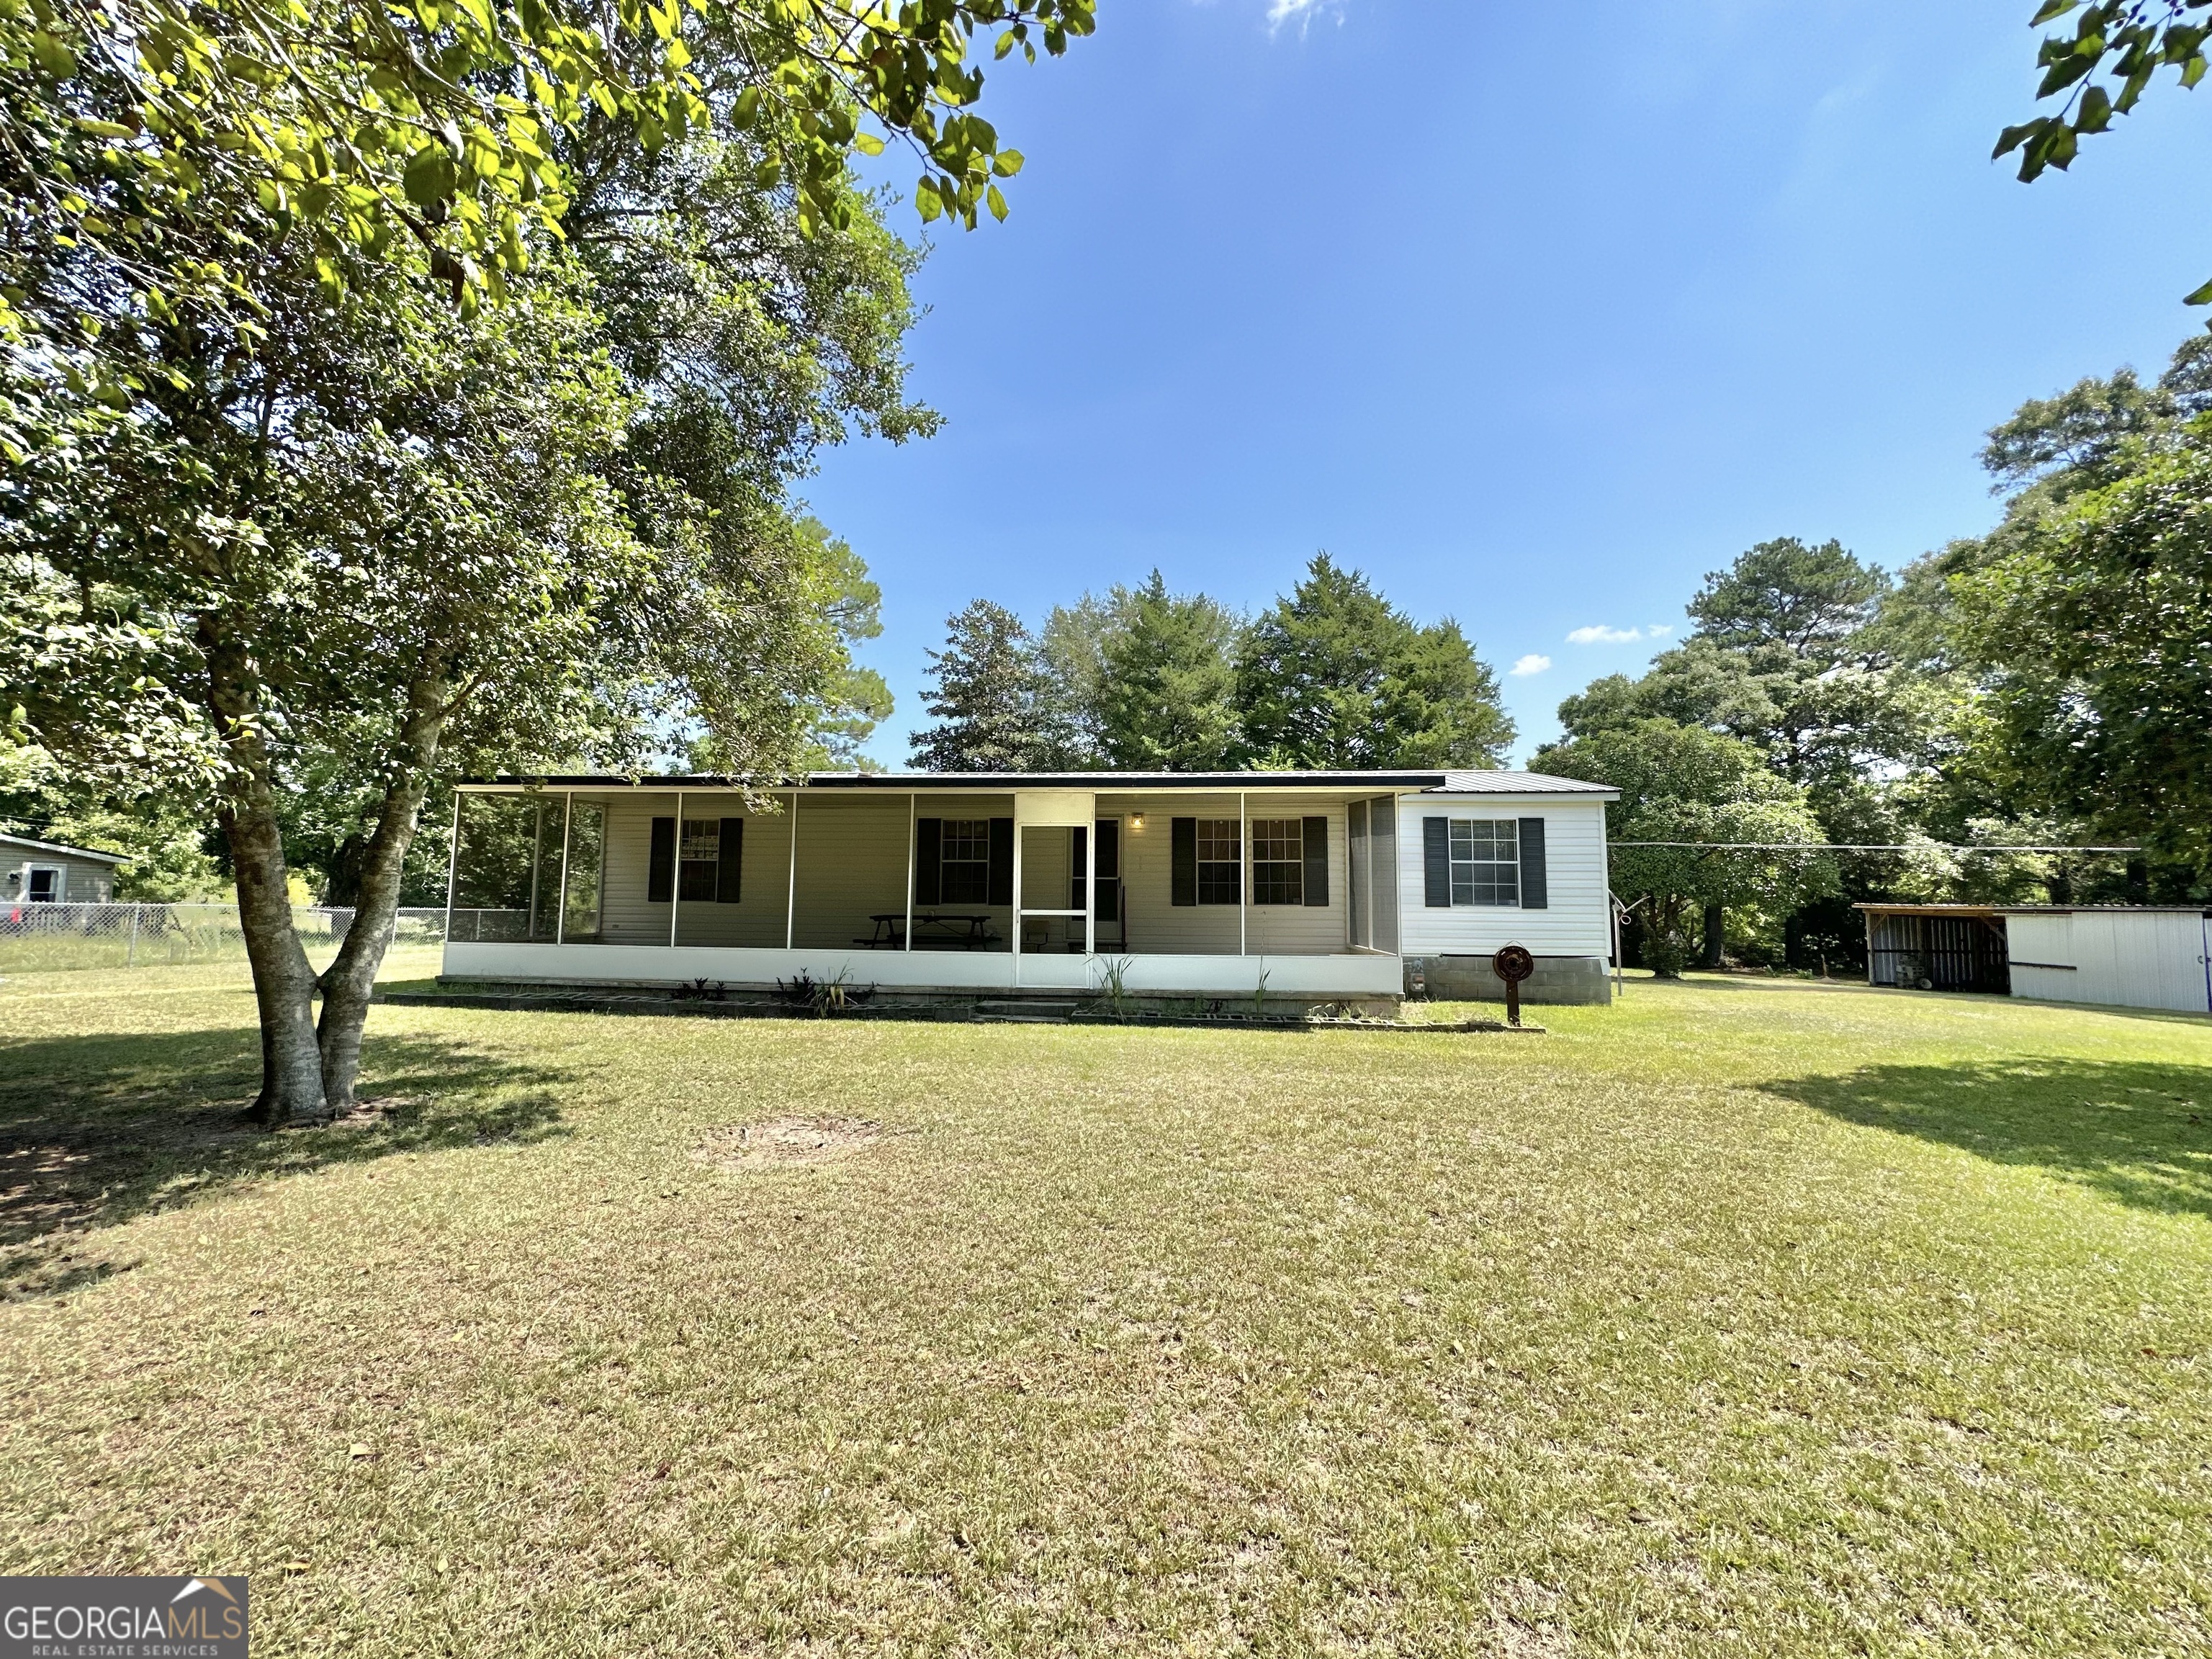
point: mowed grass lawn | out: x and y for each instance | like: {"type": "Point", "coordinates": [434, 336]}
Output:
{"type": "Point", "coordinates": [1739, 1318]}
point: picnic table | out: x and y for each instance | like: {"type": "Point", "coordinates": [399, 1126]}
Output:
{"type": "Point", "coordinates": [967, 931]}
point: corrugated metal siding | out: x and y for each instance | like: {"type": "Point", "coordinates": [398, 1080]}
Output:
{"type": "Point", "coordinates": [1574, 925]}
{"type": "Point", "coordinates": [2121, 959]}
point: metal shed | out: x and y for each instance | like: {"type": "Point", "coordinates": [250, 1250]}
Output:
{"type": "Point", "coordinates": [2122, 955]}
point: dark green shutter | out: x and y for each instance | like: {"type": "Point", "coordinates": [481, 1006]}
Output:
{"type": "Point", "coordinates": [730, 865]}
{"type": "Point", "coordinates": [1536, 880]}
{"type": "Point", "coordinates": [1436, 863]}
{"type": "Point", "coordinates": [1183, 861]}
{"type": "Point", "coordinates": [1316, 850]}
{"type": "Point", "coordinates": [928, 872]}
{"type": "Point", "coordinates": [660, 869]}
{"type": "Point", "coordinates": [1110, 869]}
{"type": "Point", "coordinates": [1002, 862]}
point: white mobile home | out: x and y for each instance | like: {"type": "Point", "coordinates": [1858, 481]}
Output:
{"type": "Point", "coordinates": [1323, 885]}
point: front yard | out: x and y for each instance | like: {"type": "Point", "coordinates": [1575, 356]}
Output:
{"type": "Point", "coordinates": [1739, 1318]}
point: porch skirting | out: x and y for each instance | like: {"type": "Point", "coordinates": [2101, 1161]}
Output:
{"type": "Point", "coordinates": [1367, 974]}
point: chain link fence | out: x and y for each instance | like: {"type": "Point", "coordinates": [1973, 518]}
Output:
{"type": "Point", "coordinates": [36, 937]}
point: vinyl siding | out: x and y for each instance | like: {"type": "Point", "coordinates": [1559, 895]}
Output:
{"type": "Point", "coordinates": [1157, 924]}
{"type": "Point", "coordinates": [1575, 924]}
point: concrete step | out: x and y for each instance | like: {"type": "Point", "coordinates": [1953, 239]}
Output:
{"type": "Point", "coordinates": [1023, 1013]}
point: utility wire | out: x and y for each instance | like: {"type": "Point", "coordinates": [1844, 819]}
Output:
{"type": "Point", "coordinates": [1860, 847]}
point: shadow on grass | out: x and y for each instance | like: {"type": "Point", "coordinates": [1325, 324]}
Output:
{"type": "Point", "coordinates": [2137, 1131]}
{"type": "Point", "coordinates": [97, 1130]}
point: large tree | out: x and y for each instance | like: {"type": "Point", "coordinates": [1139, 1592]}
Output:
{"type": "Point", "coordinates": [1681, 784]}
{"type": "Point", "coordinates": [1167, 696]}
{"type": "Point", "coordinates": [2093, 625]}
{"type": "Point", "coordinates": [991, 701]}
{"type": "Point", "coordinates": [1333, 675]}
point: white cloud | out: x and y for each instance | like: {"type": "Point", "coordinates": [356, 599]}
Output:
{"type": "Point", "coordinates": [1660, 631]}
{"type": "Point", "coordinates": [1534, 663]}
{"type": "Point", "coordinates": [1598, 633]}
{"type": "Point", "coordinates": [1301, 12]}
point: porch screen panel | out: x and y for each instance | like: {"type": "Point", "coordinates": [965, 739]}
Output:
{"type": "Point", "coordinates": [1183, 861]}
{"type": "Point", "coordinates": [499, 867]}
{"type": "Point", "coordinates": [587, 859]}
{"type": "Point", "coordinates": [1356, 928]}
{"type": "Point", "coordinates": [1382, 863]}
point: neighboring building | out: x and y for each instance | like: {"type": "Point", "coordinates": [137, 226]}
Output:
{"type": "Point", "coordinates": [2124, 956]}
{"type": "Point", "coordinates": [52, 873]}
{"type": "Point", "coordinates": [1322, 885]}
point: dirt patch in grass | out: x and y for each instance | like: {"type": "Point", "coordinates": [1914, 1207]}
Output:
{"type": "Point", "coordinates": [739, 1146]}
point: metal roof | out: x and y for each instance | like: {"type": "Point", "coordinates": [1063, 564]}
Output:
{"type": "Point", "coordinates": [64, 848]}
{"type": "Point", "coordinates": [1424, 782]}
{"type": "Point", "coordinates": [2036, 909]}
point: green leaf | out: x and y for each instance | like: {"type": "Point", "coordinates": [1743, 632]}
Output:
{"type": "Point", "coordinates": [1006, 163]}
{"type": "Point", "coordinates": [867, 143]}
{"type": "Point", "coordinates": [925, 201]}
{"type": "Point", "coordinates": [2052, 8]}
{"type": "Point", "coordinates": [997, 205]}
{"type": "Point", "coordinates": [56, 59]}
{"type": "Point", "coordinates": [428, 175]}
{"type": "Point", "coordinates": [2202, 297]}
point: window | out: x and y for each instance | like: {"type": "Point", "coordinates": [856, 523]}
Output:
{"type": "Point", "coordinates": [964, 861]}
{"type": "Point", "coordinates": [1220, 861]}
{"type": "Point", "coordinates": [46, 885]}
{"type": "Point", "coordinates": [1278, 854]}
{"type": "Point", "coordinates": [703, 856]}
{"type": "Point", "coordinates": [1486, 861]}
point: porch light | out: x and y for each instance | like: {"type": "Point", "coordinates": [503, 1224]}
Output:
{"type": "Point", "coordinates": [1136, 821]}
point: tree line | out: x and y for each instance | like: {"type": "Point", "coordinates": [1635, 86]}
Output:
{"type": "Point", "coordinates": [2048, 683]}
{"type": "Point", "coordinates": [1331, 675]}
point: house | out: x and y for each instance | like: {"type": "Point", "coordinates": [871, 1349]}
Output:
{"type": "Point", "coordinates": [1322, 886]}
{"type": "Point", "coordinates": [2123, 956]}
{"type": "Point", "coordinates": [54, 872]}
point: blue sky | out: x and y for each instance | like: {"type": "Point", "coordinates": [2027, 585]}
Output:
{"type": "Point", "coordinates": [1535, 326]}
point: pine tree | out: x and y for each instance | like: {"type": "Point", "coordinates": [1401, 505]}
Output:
{"type": "Point", "coordinates": [991, 701]}
{"type": "Point", "coordinates": [1167, 700]}
{"type": "Point", "coordinates": [1335, 676]}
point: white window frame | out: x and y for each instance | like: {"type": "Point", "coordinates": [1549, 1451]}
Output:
{"type": "Point", "coordinates": [61, 884]}
{"type": "Point", "coordinates": [1296, 862]}
{"type": "Point", "coordinates": [1471, 865]}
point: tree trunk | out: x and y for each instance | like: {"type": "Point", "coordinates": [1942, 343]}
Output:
{"type": "Point", "coordinates": [283, 983]}
{"type": "Point", "coordinates": [1716, 937]}
{"type": "Point", "coordinates": [346, 983]}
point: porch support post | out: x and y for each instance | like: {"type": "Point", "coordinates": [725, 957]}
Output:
{"type": "Point", "coordinates": [1018, 838]}
{"type": "Point", "coordinates": [676, 876]}
{"type": "Point", "coordinates": [1243, 870]}
{"type": "Point", "coordinates": [536, 863]}
{"type": "Point", "coordinates": [561, 905]}
{"type": "Point", "coordinates": [791, 876]}
{"type": "Point", "coordinates": [1090, 884]}
{"type": "Point", "coordinates": [452, 865]}
{"type": "Point", "coordinates": [910, 808]}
